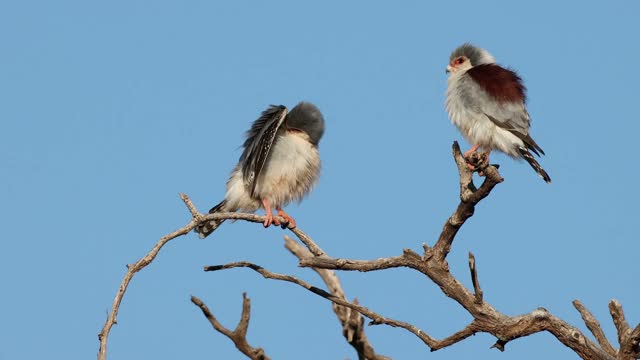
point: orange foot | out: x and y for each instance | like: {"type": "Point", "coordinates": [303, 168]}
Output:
{"type": "Point", "coordinates": [288, 219]}
{"type": "Point", "coordinates": [269, 219]}
{"type": "Point", "coordinates": [473, 149]}
{"type": "Point", "coordinates": [480, 159]}
{"type": "Point", "coordinates": [468, 153]}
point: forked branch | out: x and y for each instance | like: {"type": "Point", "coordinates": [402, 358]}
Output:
{"type": "Point", "coordinates": [470, 196]}
{"type": "Point", "coordinates": [239, 334]}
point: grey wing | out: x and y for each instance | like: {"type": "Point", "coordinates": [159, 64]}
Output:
{"type": "Point", "coordinates": [511, 116]}
{"type": "Point", "coordinates": [259, 142]}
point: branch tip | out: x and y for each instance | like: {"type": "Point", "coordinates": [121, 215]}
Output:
{"type": "Point", "coordinates": [192, 208]}
{"type": "Point", "coordinates": [474, 278]}
{"type": "Point", "coordinates": [213, 267]}
{"type": "Point", "coordinates": [594, 326]}
{"type": "Point", "coordinates": [499, 345]}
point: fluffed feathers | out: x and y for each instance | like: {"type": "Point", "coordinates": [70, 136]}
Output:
{"type": "Point", "coordinates": [260, 140]}
{"type": "Point", "coordinates": [280, 162]}
{"type": "Point", "coordinates": [487, 103]}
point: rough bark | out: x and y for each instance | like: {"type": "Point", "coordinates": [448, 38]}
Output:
{"type": "Point", "coordinates": [239, 334]}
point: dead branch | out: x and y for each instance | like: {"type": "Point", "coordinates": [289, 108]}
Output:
{"type": "Point", "coordinates": [432, 263]}
{"type": "Point", "coordinates": [486, 318]}
{"type": "Point", "coordinates": [196, 219]}
{"type": "Point", "coordinates": [469, 198]}
{"type": "Point", "coordinates": [239, 334]}
{"type": "Point", "coordinates": [615, 308]}
{"type": "Point", "coordinates": [351, 320]}
{"type": "Point", "coordinates": [627, 338]}
{"type": "Point", "coordinates": [594, 326]}
{"type": "Point", "coordinates": [376, 319]}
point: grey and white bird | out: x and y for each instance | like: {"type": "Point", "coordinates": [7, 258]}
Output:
{"type": "Point", "coordinates": [487, 103]}
{"type": "Point", "coordinates": [280, 164]}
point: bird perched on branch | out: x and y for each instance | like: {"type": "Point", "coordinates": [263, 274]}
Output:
{"type": "Point", "coordinates": [280, 163]}
{"type": "Point", "coordinates": [487, 104]}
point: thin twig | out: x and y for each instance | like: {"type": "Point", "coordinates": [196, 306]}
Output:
{"type": "Point", "coordinates": [469, 330]}
{"type": "Point", "coordinates": [239, 334]}
{"type": "Point", "coordinates": [474, 278]}
{"type": "Point", "coordinates": [376, 319]}
{"type": "Point", "coordinates": [308, 241]}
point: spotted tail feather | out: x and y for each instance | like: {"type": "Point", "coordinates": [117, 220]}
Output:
{"type": "Point", "coordinates": [534, 164]}
{"type": "Point", "coordinates": [207, 227]}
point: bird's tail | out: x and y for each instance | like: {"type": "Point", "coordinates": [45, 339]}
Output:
{"type": "Point", "coordinates": [207, 227]}
{"type": "Point", "coordinates": [534, 164]}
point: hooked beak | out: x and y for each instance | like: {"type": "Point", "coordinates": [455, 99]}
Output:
{"type": "Point", "coordinates": [449, 68]}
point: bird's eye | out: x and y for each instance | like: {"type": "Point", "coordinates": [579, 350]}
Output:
{"type": "Point", "coordinates": [459, 61]}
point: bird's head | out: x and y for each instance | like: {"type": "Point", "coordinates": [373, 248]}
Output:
{"type": "Point", "coordinates": [307, 118]}
{"type": "Point", "coordinates": [467, 56]}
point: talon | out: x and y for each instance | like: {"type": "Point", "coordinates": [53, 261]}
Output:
{"type": "Point", "coordinates": [468, 154]}
{"type": "Point", "coordinates": [473, 149]}
{"type": "Point", "coordinates": [268, 219]}
{"type": "Point", "coordinates": [288, 219]}
{"type": "Point", "coordinates": [476, 161]}
{"type": "Point", "coordinates": [269, 215]}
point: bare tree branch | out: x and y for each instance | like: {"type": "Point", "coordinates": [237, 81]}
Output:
{"type": "Point", "coordinates": [432, 263]}
{"type": "Point", "coordinates": [103, 336]}
{"type": "Point", "coordinates": [308, 241]}
{"type": "Point", "coordinates": [376, 319]}
{"type": "Point", "coordinates": [595, 328]}
{"type": "Point", "coordinates": [615, 308]}
{"type": "Point", "coordinates": [351, 320]}
{"type": "Point", "coordinates": [627, 338]}
{"type": "Point", "coordinates": [487, 319]}
{"type": "Point", "coordinates": [239, 334]}
{"type": "Point", "coordinates": [469, 197]}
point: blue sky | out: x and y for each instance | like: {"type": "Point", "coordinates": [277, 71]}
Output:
{"type": "Point", "coordinates": [111, 109]}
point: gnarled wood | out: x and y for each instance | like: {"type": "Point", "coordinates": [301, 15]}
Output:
{"type": "Point", "coordinates": [239, 334]}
